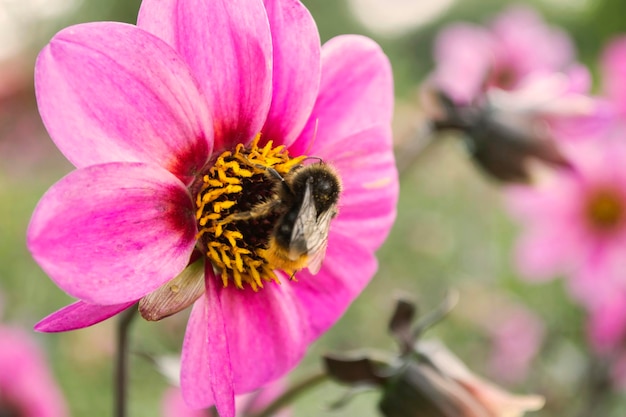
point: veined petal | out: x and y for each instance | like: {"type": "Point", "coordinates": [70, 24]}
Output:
{"type": "Point", "coordinates": [111, 233]}
{"type": "Point", "coordinates": [195, 375]}
{"type": "Point", "coordinates": [297, 68]}
{"type": "Point", "coordinates": [356, 92]}
{"type": "Point", "coordinates": [347, 269]}
{"type": "Point", "coordinates": [267, 333]}
{"type": "Point", "coordinates": [366, 164]}
{"type": "Point", "coordinates": [220, 357]}
{"type": "Point", "coordinates": [206, 372]}
{"type": "Point", "coordinates": [79, 315]}
{"type": "Point", "coordinates": [228, 45]}
{"type": "Point", "coordinates": [110, 92]}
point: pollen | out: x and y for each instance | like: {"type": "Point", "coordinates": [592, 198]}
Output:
{"type": "Point", "coordinates": [234, 232]}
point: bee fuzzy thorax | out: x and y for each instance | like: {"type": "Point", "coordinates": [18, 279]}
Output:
{"type": "Point", "coordinates": [260, 210]}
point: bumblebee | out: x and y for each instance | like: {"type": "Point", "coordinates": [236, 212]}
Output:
{"type": "Point", "coordinates": [298, 210]}
{"type": "Point", "coordinates": [305, 201]}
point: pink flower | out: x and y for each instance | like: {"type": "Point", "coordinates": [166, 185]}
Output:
{"type": "Point", "coordinates": [27, 389]}
{"type": "Point", "coordinates": [575, 222]}
{"type": "Point", "coordinates": [516, 332]}
{"type": "Point", "coordinates": [517, 44]}
{"type": "Point", "coordinates": [175, 406]}
{"type": "Point", "coordinates": [516, 338]}
{"type": "Point", "coordinates": [162, 121]}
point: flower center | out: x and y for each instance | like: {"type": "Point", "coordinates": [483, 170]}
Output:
{"type": "Point", "coordinates": [504, 78]}
{"type": "Point", "coordinates": [604, 210]}
{"type": "Point", "coordinates": [235, 211]}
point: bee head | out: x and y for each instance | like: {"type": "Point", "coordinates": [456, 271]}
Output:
{"type": "Point", "coordinates": [324, 184]}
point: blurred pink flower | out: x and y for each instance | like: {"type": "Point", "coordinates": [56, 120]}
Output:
{"type": "Point", "coordinates": [516, 338]}
{"type": "Point", "coordinates": [518, 43]}
{"type": "Point", "coordinates": [613, 72]}
{"type": "Point", "coordinates": [516, 333]}
{"type": "Point", "coordinates": [575, 222]}
{"type": "Point", "coordinates": [146, 112]}
{"type": "Point", "coordinates": [175, 406]}
{"type": "Point", "coordinates": [27, 389]}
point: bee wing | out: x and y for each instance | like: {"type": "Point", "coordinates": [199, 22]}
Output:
{"type": "Point", "coordinates": [319, 242]}
{"type": "Point", "coordinates": [310, 233]}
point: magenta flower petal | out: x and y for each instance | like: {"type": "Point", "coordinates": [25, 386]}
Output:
{"type": "Point", "coordinates": [195, 375]}
{"type": "Point", "coordinates": [219, 356]}
{"type": "Point", "coordinates": [79, 315]}
{"type": "Point", "coordinates": [297, 67]}
{"type": "Point", "coordinates": [267, 333]}
{"type": "Point", "coordinates": [366, 163]}
{"type": "Point", "coordinates": [109, 234]}
{"type": "Point", "coordinates": [261, 336]}
{"type": "Point", "coordinates": [606, 326]}
{"type": "Point", "coordinates": [356, 92]}
{"type": "Point", "coordinates": [174, 405]}
{"type": "Point", "coordinates": [206, 373]}
{"type": "Point", "coordinates": [228, 45]}
{"type": "Point", "coordinates": [327, 295]}
{"type": "Point", "coordinates": [112, 92]}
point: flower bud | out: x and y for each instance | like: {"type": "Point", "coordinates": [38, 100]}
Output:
{"type": "Point", "coordinates": [438, 384]}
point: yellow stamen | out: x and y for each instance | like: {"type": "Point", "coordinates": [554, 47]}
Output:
{"type": "Point", "coordinates": [236, 183]}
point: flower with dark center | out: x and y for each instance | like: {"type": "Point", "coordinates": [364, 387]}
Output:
{"type": "Point", "coordinates": [198, 137]}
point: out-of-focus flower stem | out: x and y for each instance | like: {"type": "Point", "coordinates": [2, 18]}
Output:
{"type": "Point", "coordinates": [413, 148]}
{"type": "Point", "coordinates": [597, 388]}
{"type": "Point", "coordinates": [292, 394]}
{"type": "Point", "coordinates": [121, 361]}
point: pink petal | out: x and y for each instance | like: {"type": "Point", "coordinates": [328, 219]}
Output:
{"type": "Point", "coordinates": [366, 165]}
{"type": "Point", "coordinates": [111, 92]}
{"type": "Point", "coordinates": [542, 255]}
{"type": "Point", "coordinates": [267, 333]}
{"type": "Point", "coordinates": [195, 374]}
{"type": "Point", "coordinates": [607, 323]}
{"type": "Point", "coordinates": [347, 269]}
{"type": "Point", "coordinates": [528, 44]}
{"type": "Point", "coordinates": [175, 406]}
{"type": "Point", "coordinates": [614, 71]}
{"type": "Point", "coordinates": [110, 234]}
{"type": "Point", "coordinates": [356, 92]}
{"type": "Point", "coordinates": [297, 69]}
{"type": "Point", "coordinates": [79, 315]}
{"type": "Point", "coordinates": [26, 378]}
{"type": "Point", "coordinates": [262, 337]}
{"type": "Point", "coordinates": [206, 369]}
{"type": "Point", "coordinates": [228, 45]}
{"type": "Point", "coordinates": [464, 56]}
{"type": "Point", "coordinates": [220, 358]}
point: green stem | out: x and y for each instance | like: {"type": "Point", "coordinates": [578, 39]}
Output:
{"type": "Point", "coordinates": [121, 361]}
{"type": "Point", "coordinates": [291, 394]}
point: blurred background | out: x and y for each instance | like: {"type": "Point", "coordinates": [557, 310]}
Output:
{"type": "Point", "coordinates": [451, 231]}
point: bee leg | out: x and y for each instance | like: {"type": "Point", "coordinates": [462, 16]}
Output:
{"type": "Point", "coordinates": [293, 276]}
{"type": "Point", "coordinates": [260, 210]}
